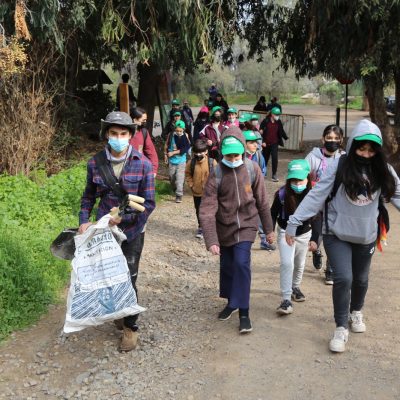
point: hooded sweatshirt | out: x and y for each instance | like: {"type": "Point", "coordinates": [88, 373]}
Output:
{"type": "Point", "coordinates": [229, 212]}
{"type": "Point", "coordinates": [319, 162]}
{"type": "Point", "coordinates": [351, 221]}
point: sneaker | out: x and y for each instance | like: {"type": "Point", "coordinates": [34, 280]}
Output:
{"type": "Point", "coordinates": [340, 338]}
{"type": "Point", "coordinates": [178, 199]}
{"type": "Point", "coordinates": [275, 178]}
{"type": "Point", "coordinates": [226, 313]}
{"type": "Point", "coordinates": [297, 295]}
{"type": "Point", "coordinates": [328, 277]}
{"type": "Point", "coordinates": [285, 308]}
{"type": "Point", "coordinates": [245, 325]}
{"type": "Point", "coordinates": [199, 233]}
{"type": "Point", "coordinates": [356, 322]}
{"type": "Point", "coordinates": [317, 259]}
{"type": "Point", "coordinates": [264, 245]}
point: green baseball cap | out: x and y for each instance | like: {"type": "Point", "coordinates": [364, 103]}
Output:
{"type": "Point", "coordinates": [251, 136]}
{"type": "Point", "coordinates": [175, 102]}
{"type": "Point", "coordinates": [298, 169]}
{"type": "Point", "coordinates": [245, 117]}
{"type": "Point", "coordinates": [232, 110]}
{"type": "Point", "coordinates": [276, 111]}
{"type": "Point", "coordinates": [215, 109]}
{"type": "Point", "coordinates": [254, 117]}
{"type": "Point", "coordinates": [371, 137]}
{"type": "Point", "coordinates": [177, 113]}
{"type": "Point", "coordinates": [180, 124]}
{"type": "Point", "coordinates": [231, 145]}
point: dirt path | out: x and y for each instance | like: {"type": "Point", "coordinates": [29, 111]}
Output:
{"type": "Point", "coordinates": [186, 353]}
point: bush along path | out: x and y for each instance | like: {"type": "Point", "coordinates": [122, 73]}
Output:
{"type": "Point", "coordinates": [186, 353]}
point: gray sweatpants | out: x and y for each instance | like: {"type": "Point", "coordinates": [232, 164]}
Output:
{"type": "Point", "coordinates": [350, 264]}
{"type": "Point", "coordinates": [177, 177]}
{"type": "Point", "coordinates": [293, 260]}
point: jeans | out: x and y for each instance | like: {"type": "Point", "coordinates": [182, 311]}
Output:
{"type": "Point", "coordinates": [235, 274]}
{"type": "Point", "coordinates": [177, 177]}
{"type": "Point", "coordinates": [132, 251]}
{"type": "Point", "coordinates": [271, 150]}
{"type": "Point", "coordinates": [293, 260]}
{"type": "Point", "coordinates": [350, 264]}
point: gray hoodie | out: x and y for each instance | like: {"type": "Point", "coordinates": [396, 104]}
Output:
{"type": "Point", "coordinates": [319, 162]}
{"type": "Point", "coordinates": [351, 221]}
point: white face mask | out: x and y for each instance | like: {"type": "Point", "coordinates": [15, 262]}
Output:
{"type": "Point", "coordinates": [232, 120]}
{"type": "Point", "coordinates": [254, 123]}
{"type": "Point", "coordinates": [276, 117]}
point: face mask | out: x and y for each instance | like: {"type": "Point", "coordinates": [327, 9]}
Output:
{"type": "Point", "coordinates": [363, 160]}
{"type": "Point", "coordinates": [232, 120]}
{"type": "Point", "coordinates": [217, 118]}
{"type": "Point", "coordinates": [298, 188]}
{"type": "Point", "coordinates": [143, 124]}
{"type": "Point", "coordinates": [231, 164]}
{"type": "Point", "coordinates": [178, 133]}
{"type": "Point", "coordinates": [118, 145]}
{"type": "Point", "coordinates": [276, 117]}
{"type": "Point", "coordinates": [254, 123]}
{"type": "Point", "coordinates": [198, 157]}
{"type": "Point", "coordinates": [332, 146]}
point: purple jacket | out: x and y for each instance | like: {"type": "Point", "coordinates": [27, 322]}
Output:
{"type": "Point", "coordinates": [136, 178]}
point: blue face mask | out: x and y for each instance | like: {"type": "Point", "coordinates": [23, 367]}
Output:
{"type": "Point", "coordinates": [299, 188]}
{"type": "Point", "coordinates": [231, 164]}
{"type": "Point", "coordinates": [118, 145]}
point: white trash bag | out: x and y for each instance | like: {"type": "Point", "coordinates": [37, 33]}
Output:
{"type": "Point", "coordinates": [101, 289]}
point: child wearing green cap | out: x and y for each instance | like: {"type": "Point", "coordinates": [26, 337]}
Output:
{"type": "Point", "coordinates": [232, 117]}
{"type": "Point", "coordinates": [351, 193]}
{"type": "Point", "coordinates": [293, 258]}
{"type": "Point", "coordinates": [272, 132]}
{"type": "Point", "coordinates": [233, 199]}
{"type": "Point", "coordinates": [176, 148]}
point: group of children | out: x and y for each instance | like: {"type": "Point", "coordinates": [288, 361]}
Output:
{"type": "Point", "coordinates": [331, 196]}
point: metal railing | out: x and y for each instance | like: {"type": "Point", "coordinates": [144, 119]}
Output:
{"type": "Point", "coordinates": [293, 125]}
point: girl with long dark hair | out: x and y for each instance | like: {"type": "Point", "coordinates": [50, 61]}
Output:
{"type": "Point", "coordinates": [350, 222]}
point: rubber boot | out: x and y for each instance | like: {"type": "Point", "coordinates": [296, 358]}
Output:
{"type": "Point", "coordinates": [129, 339]}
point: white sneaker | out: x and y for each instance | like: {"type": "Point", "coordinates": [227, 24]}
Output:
{"type": "Point", "coordinates": [356, 322]}
{"type": "Point", "coordinates": [340, 338]}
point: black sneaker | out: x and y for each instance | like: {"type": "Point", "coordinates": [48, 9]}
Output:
{"type": "Point", "coordinates": [245, 325]}
{"type": "Point", "coordinates": [328, 277]}
{"type": "Point", "coordinates": [297, 295]}
{"type": "Point", "coordinates": [226, 313]}
{"type": "Point", "coordinates": [285, 308]}
{"type": "Point", "coordinates": [317, 259]}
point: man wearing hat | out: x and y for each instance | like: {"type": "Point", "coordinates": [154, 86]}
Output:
{"type": "Point", "coordinates": [272, 133]}
{"type": "Point", "coordinates": [234, 197]}
{"type": "Point", "coordinates": [132, 173]}
{"type": "Point", "coordinates": [212, 132]}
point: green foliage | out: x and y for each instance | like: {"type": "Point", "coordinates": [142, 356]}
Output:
{"type": "Point", "coordinates": [163, 189]}
{"type": "Point", "coordinates": [31, 216]}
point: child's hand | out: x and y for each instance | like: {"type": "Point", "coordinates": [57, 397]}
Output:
{"type": "Point", "coordinates": [209, 142]}
{"type": "Point", "coordinates": [214, 249]}
{"type": "Point", "coordinates": [171, 153]}
{"type": "Point", "coordinates": [289, 239]}
{"type": "Point", "coordinates": [270, 237]}
{"type": "Point", "coordinates": [166, 159]}
{"type": "Point", "coordinates": [312, 246]}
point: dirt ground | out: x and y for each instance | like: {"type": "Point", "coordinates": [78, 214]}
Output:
{"type": "Point", "coordinates": [186, 353]}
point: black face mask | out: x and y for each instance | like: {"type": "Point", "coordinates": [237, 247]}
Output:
{"type": "Point", "coordinates": [332, 146]}
{"type": "Point", "coordinates": [199, 158]}
{"type": "Point", "coordinates": [363, 160]}
{"type": "Point", "coordinates": [143, 124]}
{"type": "Point", "coordinates": [217, 118]}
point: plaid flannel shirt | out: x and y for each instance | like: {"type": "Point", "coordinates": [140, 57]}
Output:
{"type": "Point", "coordinates": [136, 178]}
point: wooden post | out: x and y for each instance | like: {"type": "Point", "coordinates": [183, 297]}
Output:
{"type": "Point", "coordinates": [124, 97]}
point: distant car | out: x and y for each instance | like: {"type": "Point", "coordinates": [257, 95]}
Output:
{"type": "Point", "coordinates": [390, 104]}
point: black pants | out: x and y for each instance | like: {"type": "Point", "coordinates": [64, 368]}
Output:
{"type": "Point", "coordinates": [132, 251]}
{"type": "Point", "coordinates": [350, 266]}
{"type": "Point", "coordinates": [197, 202]}
{"type": "Point", "coordinates": [271, 150]}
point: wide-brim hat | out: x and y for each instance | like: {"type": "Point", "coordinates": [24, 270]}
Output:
{"type": "Point", "coordinates": [117, 118]}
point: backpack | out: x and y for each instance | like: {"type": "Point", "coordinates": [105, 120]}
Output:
{"type": "Point", "coordinates": [250, 170]}
{"type": "Point", "coordinates": [259, 155]}
{"type": "Point", "coordinates": [383, 215]}
{"type": "Point", "coordinates": [193, 164]}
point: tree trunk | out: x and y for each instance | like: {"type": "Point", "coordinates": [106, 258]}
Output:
{"type": "Point", "coordinates": [147, 93]}
{"type": "Point", "coordinates": [377, 111]}
{"type": "Point", "coordinates": [365, 104]}
{"type": "Point", "coordinates": [397, 104]}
